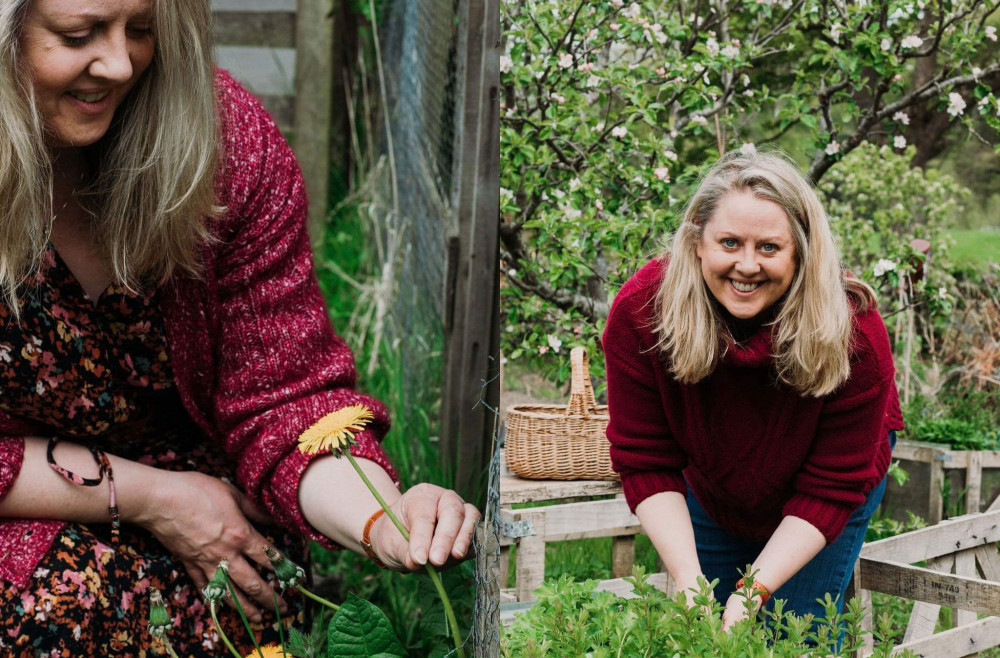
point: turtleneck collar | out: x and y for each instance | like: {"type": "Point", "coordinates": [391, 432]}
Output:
{"type": "Point", "coordinates": [751, 340]}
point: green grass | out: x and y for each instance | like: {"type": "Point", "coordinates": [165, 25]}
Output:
{"type": "Point", "coordinates": [976, 247]}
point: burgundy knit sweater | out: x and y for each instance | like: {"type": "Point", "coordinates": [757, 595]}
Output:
{"type": "Point", "coordinates": [751, 449]}
{"type": "Point", "coordinates": [254, 357]}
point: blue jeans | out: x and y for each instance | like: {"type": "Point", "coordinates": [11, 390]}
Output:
{"type": "Point", "coordinates": [724, 556]}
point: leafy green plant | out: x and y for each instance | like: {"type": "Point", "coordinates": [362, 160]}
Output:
{"type": "Point", "coordinates": [572, 619]}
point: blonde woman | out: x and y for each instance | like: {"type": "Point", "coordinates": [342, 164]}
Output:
{"type": "Point", "coordinates": [163, 343]}
{"type": "Point", "coordinates": [751, 391]}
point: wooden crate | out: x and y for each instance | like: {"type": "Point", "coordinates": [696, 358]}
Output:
{"type": "Point", "coordinates": [977, 472]}
{"type": "Point", "coordinates": [962, 572]}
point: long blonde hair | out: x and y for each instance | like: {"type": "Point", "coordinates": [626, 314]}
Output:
{"type": "Point", "coordinates": [154, 186]}
{"type": "Point", "coordinates": [812, 328]}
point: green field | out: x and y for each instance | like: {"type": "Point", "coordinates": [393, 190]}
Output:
{"type": "Point", "coordinates": [976, 245]}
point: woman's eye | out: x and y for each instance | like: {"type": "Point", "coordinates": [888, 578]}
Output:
{"type": "Point", "coordinates": [769, 248]}
{"type": "Point", "coordinates": [77, 40]}
{"type": "Point", "coordinates": [141, 32]}
{"type": "Point", "coordinates": [729, 243]}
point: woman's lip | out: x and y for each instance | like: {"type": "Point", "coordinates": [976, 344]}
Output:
{"type": "Point", "coordinates": [733, 287]}
{"type": "Point", "coordinates": [98, 107]}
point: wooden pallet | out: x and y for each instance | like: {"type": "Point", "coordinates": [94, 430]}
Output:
{"type": "Point", "coordinates": [962, 572]}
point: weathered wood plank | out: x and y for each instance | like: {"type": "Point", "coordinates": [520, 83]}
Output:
{"type": "Point", "coordinates": [973, 482]}
{"type": "Point", "coordinates": [922, 620]}
{"type": "Point", "coordinates": [935, 503]}
{"type": "Point", "coordinates": [926, 585]}
{"type": "Point", "coordinates": [529, 567]}
{"type": "Point", "coordinates": [575, 520]}
{"type": "Point", "coordinates": [957, 642]}
{"type": "Point", "coordinates": [989, 562]}
{"type": "Point", "coordinates": [515, 490]}
{"type": "Point", "coordinates": [623, 588]}
{"type": "Point", "coordinates": [948, 537]}
{"type": "Point", "coordinates": [622, 555]}
{"type": "Point", "coordinates": [965, 565]}
{"type": "Point", "coordinates": [266, 29]}
{"type": "Point", "coordinates": [313, 94]}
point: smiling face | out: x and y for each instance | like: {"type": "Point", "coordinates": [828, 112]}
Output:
{"type": "Point", "coordinates": [83, 57]}
{"type": "Point", "coordinates": [747, 254]}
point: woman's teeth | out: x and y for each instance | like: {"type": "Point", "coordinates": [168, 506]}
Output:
{"type": "Point", "coordinates": [89, 98]}
{"type": "Point", "coordinates": [745, 287]}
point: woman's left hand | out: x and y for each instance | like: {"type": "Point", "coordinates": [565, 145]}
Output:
{"type": "Point", "coordinates": [736, 609]}
{"type": "Point", "coordinates": [440, 523]}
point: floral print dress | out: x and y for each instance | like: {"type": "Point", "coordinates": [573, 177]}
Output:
{"type": "Point", "coordinates": [99, 374]}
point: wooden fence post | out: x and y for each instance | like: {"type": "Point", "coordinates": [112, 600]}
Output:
{"type": "Point", "coordinates": [313, 94]}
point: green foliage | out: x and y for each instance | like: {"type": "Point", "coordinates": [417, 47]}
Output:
{"type": "Point", "coordinates": [883, 526]}
{"type": "Point", "coordinates": [961, 418]}
{"type": "Point", "coordinates": [572, 619]}
{"type": "Point", "coordinates": [359, 628]}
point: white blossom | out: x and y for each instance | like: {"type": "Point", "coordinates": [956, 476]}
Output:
{"type": "Point", "coordinates": [658, 33]}
{"type": "Point", "coordinates": [619, 131]}
{"type": "Point", "coordinates": [836, 31]}
{"type": "Point", "coordinates": [670, 155]}
{"type": "Point", "coordinates": [956, 104]}
{"type": "Point", "coordinates": [565, 60]}
{"type": "Point", "coordinates": [662, 173]}
{"type": "Point", "coordinates": [899, 142]}
{"type": "Point", "coordinates": [731, 51]}
{"type": "Point", "coordinates": [593, 81]}
{"type": "Point", "coordinates": [912, 41]}
{"type": "Point", "coordinates": [942, 293]}
{"type": "Point", "coordinates": [991, 33]}
{"type": "Point", "coordinates": [557, 98]}
{"type": "Point", "coordinates": [976, 72]}
{"type": "Point", "coordinates": [512, 272]}
{"type": "Point", "coordinates": [554, 343]}
{"type": "Point", "coordinates": [886, 44]}
{"type": "Point", "coordinates": [599, 204]}
{"type": "Point", "coordinates": [571, 213]}
{"type": "Point", "coordinates": [575, 183]}
{"type": "Point", "coordinates": [745, 80]}
{"type": "Point", "coordinates": [618, 3]}
{"type": "Point", "coordinates": [833, 148]}
{"type": "Point", "coordinates": [506, 195]}
{"type": "Point", "coordinates": [632, 11]}
{"type": "Point", "coordinates": [506, 63]}
{"type": "Point", "coordinates": [901, 117]}
{"type": "Point", "coordinates": [883, 266]}
{"type": "Point", "coordinates": [712, 46]}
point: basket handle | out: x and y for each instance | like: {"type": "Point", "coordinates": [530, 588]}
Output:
{"type": "Point", "coordinates": [581, 393]}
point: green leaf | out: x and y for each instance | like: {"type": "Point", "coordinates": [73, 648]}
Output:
{"type": "Point", "coordinates": [359, 628]}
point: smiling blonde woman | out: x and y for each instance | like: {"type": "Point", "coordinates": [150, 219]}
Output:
{"type": "Point", "coordinates": [751, 392]}
{"type": "Point", "coordinates": [164, 343]}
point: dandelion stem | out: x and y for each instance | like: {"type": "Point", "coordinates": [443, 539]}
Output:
{"type": "Point", "coordinates": [222, 633]}
{"type": "Point", "coordinates": [170, 649]}
{"type": "Point", "coordinates": [318, 599]}
{"type": "Point", "coordinates": [431, 571]}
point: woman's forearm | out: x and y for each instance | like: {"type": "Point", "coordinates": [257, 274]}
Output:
{"type": "Point", "coordinates": [335, 500]}
{"type": "Point", "coordinates": [794, 543]}
{"type": "Point", "coordinates": [39, 492]}
{"type": "Point", "coordinates": [665, 519]}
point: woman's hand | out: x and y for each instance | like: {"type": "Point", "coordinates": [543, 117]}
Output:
{"type": "Point", "coordinates": [440, 523]}
{"type": "Point", "coordinates": [202, 519]}
{"type": "Point", "coordinates": [736, 609]}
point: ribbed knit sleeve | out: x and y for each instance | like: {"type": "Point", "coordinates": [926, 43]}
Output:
{"type": "Point", "coordinates": [643, 451]}
{"type": "Point", "coordinates": [281, 367]}
{"type": "Point", "coordinates": [11, 458]}
{"type": "Point", "coordinates": [850, 453]}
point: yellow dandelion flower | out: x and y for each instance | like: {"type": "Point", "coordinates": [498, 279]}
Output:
{"type": "Point", "coordinates": [335, 431]}
{"type": "Point", "coordinates": [270, 651]}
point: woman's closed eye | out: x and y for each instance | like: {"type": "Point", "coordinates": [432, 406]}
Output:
{"type": "Point", "coordinates": [77, 39]}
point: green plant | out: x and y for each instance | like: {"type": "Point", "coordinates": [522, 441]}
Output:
{"type": "Point", "coordinates": [572, 619]}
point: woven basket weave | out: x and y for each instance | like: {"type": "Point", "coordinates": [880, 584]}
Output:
{"type": "Point", "coordinates": [555, 442]}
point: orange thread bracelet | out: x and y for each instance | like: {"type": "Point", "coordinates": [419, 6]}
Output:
{"type": "Point", "coordinates": [758, 590]}
{"type": "Point", "coordinates": [366, 542]}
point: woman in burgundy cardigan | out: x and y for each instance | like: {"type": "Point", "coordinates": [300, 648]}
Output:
{"type": "Point", "coordinates": [751, 392]}
{"type": "Point", "coordinates": [160, 316]}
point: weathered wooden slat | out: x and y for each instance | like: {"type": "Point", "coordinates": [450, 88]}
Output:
{"type": "Point", "coordinates": [265, 29]}
{"type": "Point", "coordinates": [989, 562]}
{"type": "Point", "coordinates": [575, 520]}
{"type": "Point", "coordinates": [922, 620]}
{"type": "Point", "coordinates": [962, 641]}
{"type": "Point", "coordinates": [973, 482]}
{"type": "Point", "coordinates": [965, 565]}
{"type": "Point", "coordinates": [530, 564]}
{"type": "Point", "coordinates": [941, 539]}
{"type": "Point", "coordinates": [622, 556]}
{"type": "Point", "coordinates": [934, 587]}
{"type": "Point", "coordinates": [623, 588]}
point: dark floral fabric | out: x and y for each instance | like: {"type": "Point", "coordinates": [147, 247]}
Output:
{"type": "Point", "coordinates": [99, 374]}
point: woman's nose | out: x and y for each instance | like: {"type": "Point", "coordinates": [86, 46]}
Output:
{"type": "Point", "coordinates": [113, 62]}
{"type": "Point", "coordinates": [746, 264]}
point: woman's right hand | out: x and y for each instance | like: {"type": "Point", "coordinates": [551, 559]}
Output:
{"type": "Point", "coordinates": [201, 519]}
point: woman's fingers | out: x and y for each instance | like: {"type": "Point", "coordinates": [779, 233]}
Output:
{"type": "Point", "coordinates": [253, 591]}
{"type": "Point", "coordinates": [460, 549]}
{"type": "Point", "coordinates": [440, 524]}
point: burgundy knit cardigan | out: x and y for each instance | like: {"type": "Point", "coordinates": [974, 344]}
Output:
{"type": "Point", "coordinates": [254, 357]}
{"type": "Point", "coordinates": [752, 450]}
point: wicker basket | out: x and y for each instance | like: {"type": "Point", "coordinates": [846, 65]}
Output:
{"type": "Point", "coordinates": [553, 442]}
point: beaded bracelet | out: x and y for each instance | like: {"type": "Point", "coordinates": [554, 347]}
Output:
{"type": "Point", "coordinates": [104, 469]}
{"type": "Point", "coordinates": [366, 542]}
{"type": "Point", "coordinates": [758, 590]}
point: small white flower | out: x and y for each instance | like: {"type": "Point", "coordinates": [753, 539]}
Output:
{"type": "Point", "coordinates": [713, 47]}
{"type": "Point", "coordinates": [886, 44]}
{"type": "Point", "coordinates": [571, 212]}
{"type": "Point", "coordinates": [991, 33]}
{"type": "Point", "coordinates": [956, 104]}
{"type": "Point", "coordinates": [745, 80]}
{"type": "Point", "coordinates": [506, 195]}
{"type": "Point", "coordinates": [899, 142]}
{"type": "Point", "coordinates": [836, 31]}
{"type": "Point", "coordinates": [698, 68]}
{"type": "Point", "coordinates": [575, 183]}
{"type": "Point", "coordinates": [883, 266]}
{"type": "Point", "coordinates": [618, 3]}
{"type": "Point", "coordinates": [599, 127]}
{"type": "Point", "coordinates": [942, 293]}
{"type": "Point", "coordinates": [976, 72]}
{"type": "Point", "coordinates": [506, 63]}
{"type": "Point", "coordinates": [748, 149]}
{"type": "Point", "coordinates": [593, 81]}
{"type": "Point", "coordinates": [632, 11]}
{"type": "Point", "coordinates": [662, 173]}
{"type": "Point", "coordinates": [599, 204]}
{"type": "Point", "coordinates": [619, 131]}
{"type": "Point", "coordinates": [833, 148]}
{"type": "Point", "coordinates": [557, 98]}
{"type": "Point", "coordinates": [554, 343]}
{"type": "Point", "coordinates": [901, 117]}
{"type": "Point", "coordinates": [658, 33]}
{"type": "Point", "coordinates": [731, 51]}
{"type": "Point", "coordinates": [565, 60]}
{"type": "Point", "coordinates": [670, 155]}
{"type": "Point", "coordinates": [512, 272]}
{"type": "Point", "coordinates": [700, 120]}
{"type": "Point", "coordinates": [912, 41]}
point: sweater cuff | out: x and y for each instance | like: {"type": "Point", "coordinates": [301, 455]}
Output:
{"type": "Point", "coordinates": [829, 517]}
{"type": "Point", "coordinates": [11, 458]}
{"type": "Point", "coordinates": [640, 485]}
{"type": "Point", "coordinates": [283, 491]}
